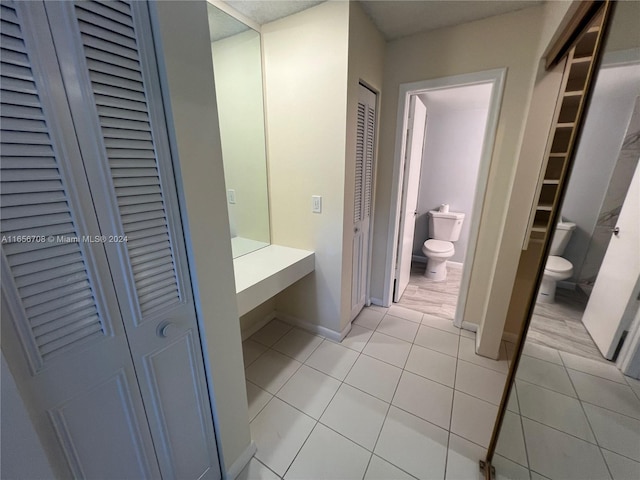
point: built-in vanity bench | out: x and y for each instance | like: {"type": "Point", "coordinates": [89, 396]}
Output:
{"type": "Point", "coordinates": [264, 273]}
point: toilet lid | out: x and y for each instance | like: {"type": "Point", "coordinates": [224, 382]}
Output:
{"type": "Point", "coordinates": [558, 264]}
{"type": "Point", "coordinates": [438, 246]}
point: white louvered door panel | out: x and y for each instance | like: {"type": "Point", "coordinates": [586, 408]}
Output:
{"type": "Point", "coordinates": [116, 104]}
{"type": "Point", "coordinates": [62, 332]}
{"type": "Point", "coordinates": [365, 141]}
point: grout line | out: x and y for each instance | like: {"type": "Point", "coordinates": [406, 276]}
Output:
{"type": "Point", "coordinates": [620, 454]}
{"type": "Point", "coordinates": [453, 397]}
{"type": "Point", "coordinates": [514, 391]}
{"type": "Point", "coordinates": [584, 412]}
{"type": "Point", "coordinates": [265, 466]}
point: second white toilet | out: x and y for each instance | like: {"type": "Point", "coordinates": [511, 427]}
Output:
{"type": "Point", "coordinates": [556, 268]}
{"type": "Point", "coordinates": [444, 228]}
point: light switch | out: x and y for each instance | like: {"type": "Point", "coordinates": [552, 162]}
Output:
{"type": "Point", "coordinates": [231, 195]}
{"type": "Point", "coordinates": [316, 201]}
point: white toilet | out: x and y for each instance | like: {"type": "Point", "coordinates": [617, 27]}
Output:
{"type": "Point", "coordinates": [556, 268]}
{"type": "Point", "coordinates": [444, 228]}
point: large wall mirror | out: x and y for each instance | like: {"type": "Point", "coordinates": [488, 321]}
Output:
{"type": "Point", "coordinates": [237, 69]}
{"type": "Point", "coordinates": [574, 407]}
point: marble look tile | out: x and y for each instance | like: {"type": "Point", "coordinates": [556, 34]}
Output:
{"type": "Point", "coordinates": [606, 370]}
{"type": "Point", "coordinates": [388, 349]}
{"type": "Point", "coordinates": [554, 410]}
{"type": "Point", "coordinates": [326, 455]}
{"type": "Point", "coordinates": [398, 327]}
{"type": "Point", "coordinates": [369, 318]}
{"type": "Point", "coordinates": [271, 332]}
{"type": "Point", "coordinates": [380, 469]}
{"type": "Point", "coordinates": [437, 340]}
{"type": "Point", "coordinates": [415, 446]}
{"type": "Point", "coordinates": [615, 432]}
{"type": "Point", "coordinates": [605, 393]}
{"type": "Point", "coordinates": [621, 468]}
{"type": "Point", "coordinates": [357, 338]}
{"type": "Point", "coordinates": [406, 313]}
{"type": "Point", "coordinates": [545, 374]}
{"type": "Point", "coordinates": [251, 351]}
{"type": "Point", "coordinates": [555, 454]}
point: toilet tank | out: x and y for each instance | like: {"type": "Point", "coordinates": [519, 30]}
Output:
{"type": "Point", "coordinates": [445, 226]}
{"type": "Point", "coordinates": [561, 237]}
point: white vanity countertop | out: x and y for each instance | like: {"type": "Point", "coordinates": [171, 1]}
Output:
{"type": "Point", "coordinates": [266, 272]}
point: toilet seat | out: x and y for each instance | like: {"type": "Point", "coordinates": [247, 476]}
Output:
{"type": "Point", "coordinates": [438, 246]}
{"type": "Point", "coordinates": [557, 264]}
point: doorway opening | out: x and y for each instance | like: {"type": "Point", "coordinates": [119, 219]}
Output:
{"type": "Point", "coordinates": [594, 302]}
{"type": "Point", "coordinates": [444, 143]}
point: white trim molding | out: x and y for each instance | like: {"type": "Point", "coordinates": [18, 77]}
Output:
{"type": "Point", "coordinates": [313, 328]}
{"type": "Point", "coordinates": [495, 77]}
{"type": "Point", "coordinates": [241, 462]}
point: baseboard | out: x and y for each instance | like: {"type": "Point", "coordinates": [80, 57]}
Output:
{"type": "Point", "coordinates": [456, 265]}
{"type": "Point", "coordinates": [313, 328]}
{"type": "Point", "coordinates": [472, 327]}
{"type": "Point", "coordinates": [567, 285]}
{"type": "Point", "coordinates": [257, 326]}
{"type": "Point", "coordinates": [377, 301]}
{"type": "Point", "coordinates": [241, 462]}
{"type": "Point", "coordinates": [418, 259]}
{"type": "Point", "coordinates": [510, 337]}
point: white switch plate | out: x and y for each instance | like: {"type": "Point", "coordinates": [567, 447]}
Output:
{"type": "Point", "coordinates": [316, 202]}
{"type": "Point", "coordinates": [231, 195]}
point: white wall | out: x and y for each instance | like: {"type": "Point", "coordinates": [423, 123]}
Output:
{"type": "Point", "coordinates": [509, 41]}
{"type": "Point", "coordinates": [22, 454]}
{"type": "Point", "coordinates": [597, 154]}
{"type": "Point", "coordinates": [450, 162]}
{"type": "Point", "coordinates": [187, 77]}
{"type": "Point", "coordinates": [366, 64]}
{"type": "Point", "coordinates": [305, 65]}
{"type": "Point", "coordinates": [237, 69]}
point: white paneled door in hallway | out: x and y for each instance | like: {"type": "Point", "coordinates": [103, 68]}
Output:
{"type": "Point", "coordinates": [98, 319]}
{"type": "Point", "coordinates": [365, 152]}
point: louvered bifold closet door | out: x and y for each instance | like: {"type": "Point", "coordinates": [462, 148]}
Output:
{"type": "Point", "coordinates": [62, 333]}
{"type": "Point", "coordinates": [117, 107]}
{"type": "Point", "coordinates": [368, 160]}
{"type": "Point", "coordinates": [361, 130]}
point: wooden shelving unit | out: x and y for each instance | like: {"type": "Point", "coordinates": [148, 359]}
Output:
{"type": "Point", "coordinates": [578, 72]}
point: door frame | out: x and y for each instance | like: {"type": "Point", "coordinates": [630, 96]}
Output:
{"type": "Point", "coordinates": [496, 77]}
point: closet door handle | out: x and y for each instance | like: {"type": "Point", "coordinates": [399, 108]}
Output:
{"type": "Point", "coordinates": [166, 329]}
{"type": "Point", "coordinates": [615, 231]}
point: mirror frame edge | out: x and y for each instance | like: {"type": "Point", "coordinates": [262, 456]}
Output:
{"type": "Point", "coordinates": [607, 7]}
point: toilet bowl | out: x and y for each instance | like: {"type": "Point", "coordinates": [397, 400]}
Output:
{"type": "Point", "coordinates": [445, 228]}
{"type": "Point", "coordinates": [556, 268]}
{"type": "Point", "coordinates": [437, 253]}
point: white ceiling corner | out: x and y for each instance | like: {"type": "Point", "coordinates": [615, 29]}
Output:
{"type": "Point", "coordinates": [394, 18]}
{"type": "Point", "coordinates": [265, 11]}
{"type": "Point", "coordinates": [400, 18]}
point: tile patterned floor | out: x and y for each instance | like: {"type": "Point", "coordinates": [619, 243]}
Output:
{"type": "Point", "coordinates": [559, 325]}
{"type": "Point", "coordinates": [580, 417]}
{"type": "Point", "coordinates": [427, 296]}
{"type": "Point", "coordinates": [403, 396]}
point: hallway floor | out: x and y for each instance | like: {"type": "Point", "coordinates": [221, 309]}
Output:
{"type": "Point", "coordinates": [403, 396]}
{"type": "Point", "coordinates": [580, 417]}
{"type": "Point", "coordinates": [427, 296]}
{"type": "Point", "coordinates": [559, 325]}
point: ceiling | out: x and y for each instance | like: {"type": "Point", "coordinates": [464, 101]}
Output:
{"type": "Point", "coordinates": [394, 18]}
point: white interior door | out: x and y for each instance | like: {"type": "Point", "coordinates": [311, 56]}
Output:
{"type": "Point", "coordinates": [416, 128]}
{"type": "Point", "coordinates": [365, 149]}
{"type": "Point", "coordinates": [114, 95]}
{"type": "Point", "coordinates": [62, 331]}
{"type": "Point", "coordinates": [108, 324]}
{"type": "Point", "coordinates": [612, 303]}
